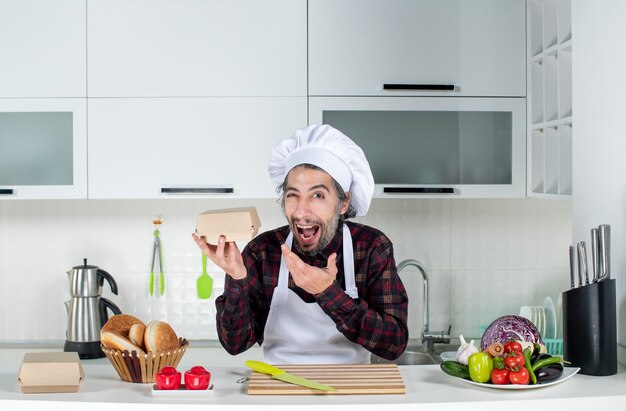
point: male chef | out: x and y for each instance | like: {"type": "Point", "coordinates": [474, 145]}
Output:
{"type": "Point", "coordinates": [321, 289]}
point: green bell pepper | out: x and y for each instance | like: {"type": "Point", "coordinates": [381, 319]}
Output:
{"type": "Point", "coordinates": [480, 365]}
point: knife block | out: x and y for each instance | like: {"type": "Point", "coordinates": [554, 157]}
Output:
{"type": "Point", "coordinates": [590, 328]}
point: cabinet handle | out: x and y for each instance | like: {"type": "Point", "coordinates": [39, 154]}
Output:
{"type": "Point", "coordinates": [437, 87]}
{"type": "Point", "coordinates": [6, 191]}
{"type": "Point", "coordinates": [197, 190]}
{"type": "Point", "coordinates": [418, 190]}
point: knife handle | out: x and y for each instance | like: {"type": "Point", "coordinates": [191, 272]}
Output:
{"type": "Point", "coordinates": [583, 246]}
{"type": "Point", "coordinates": [263, 368]}
{"type": "Point", "coordinates": [604, 245]}
{"type": "Point", "coordinates": [572, 266]}
{"type": "Point", "coordinates": [581, 264]}
{"type": "Point", "coordinates": [594, 255]}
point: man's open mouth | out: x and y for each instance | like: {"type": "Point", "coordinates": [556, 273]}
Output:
{"type": "Point", "coordinates": [307, 234]}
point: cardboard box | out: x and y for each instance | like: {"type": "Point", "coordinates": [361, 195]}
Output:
{"type": "Point", "coordinates": [45, 372]}
{"type": "Point", "coordinates": [235, 224]}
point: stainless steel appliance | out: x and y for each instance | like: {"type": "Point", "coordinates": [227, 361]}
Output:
{"type": "Point", "coordinates": [87, 310]}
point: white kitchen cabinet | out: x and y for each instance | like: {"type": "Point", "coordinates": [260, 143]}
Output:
{"type": "Point", "coordinates": [435, 147]}
{"type": "Point", "coordinates": [187, 147]}
{"type": "Point", "coordinates": [477, 47]}
{"type": "Point", "coordinates": [190, 48]}
{"type": "Point", "coordinates": [43, 48]}
{"type": "Point", "coordinates": [550, 123]}
{"type": "Point", "coordinates": [43, 148]}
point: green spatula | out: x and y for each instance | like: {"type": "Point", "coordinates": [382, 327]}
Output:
{"type": "Point", "coordinates": [205, 282]}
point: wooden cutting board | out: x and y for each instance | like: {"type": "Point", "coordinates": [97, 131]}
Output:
{"type": "Point", "coordinates": [347, 379]}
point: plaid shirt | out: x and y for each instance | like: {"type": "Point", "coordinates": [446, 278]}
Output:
{"type": "Point", "coordinates": [377, 320]}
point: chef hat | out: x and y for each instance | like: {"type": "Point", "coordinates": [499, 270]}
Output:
{"type": "Point", "coordinates": [332, 151]}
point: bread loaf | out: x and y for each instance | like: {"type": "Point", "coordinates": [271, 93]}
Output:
{"type": "Point", "coordinates": [120, 324]}
{"type": "Point", "coordinates": [136, 333]}
{"type": "Point", "coordinates": [115, 341]}
{"type": "Point", "coordinates": [159, 336]}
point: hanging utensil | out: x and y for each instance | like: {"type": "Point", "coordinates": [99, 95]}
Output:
{"type": "Point", "coordinates": [157, 253]}
{"type": "Point", "coordinates": [204, 284]}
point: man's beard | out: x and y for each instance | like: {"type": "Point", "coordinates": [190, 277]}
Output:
{"type": "Point", "coordinates": [328, 232]}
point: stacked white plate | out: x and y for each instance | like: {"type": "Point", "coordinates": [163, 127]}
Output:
{"type": "Point", "coordinates": [543, 316]}
{"type": "Point", "coordinates": [550, 319]}
{"type": "Point", "coordinates": [537, 315]}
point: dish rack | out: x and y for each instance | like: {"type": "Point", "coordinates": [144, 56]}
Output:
{"type": "Point", "coordinates": [554, 346]}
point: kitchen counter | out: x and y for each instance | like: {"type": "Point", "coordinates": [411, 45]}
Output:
{"type": "Point", "coordinates": [427, 387]}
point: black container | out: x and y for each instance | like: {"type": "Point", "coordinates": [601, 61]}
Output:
{"type": "Point", "coordinates": [590, 328]}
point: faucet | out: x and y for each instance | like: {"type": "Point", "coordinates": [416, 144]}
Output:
{"type": "Point", "coordinates": [429, 338]}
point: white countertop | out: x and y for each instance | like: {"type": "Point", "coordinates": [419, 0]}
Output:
{"type": "Point", "coordinates": [427, 387]}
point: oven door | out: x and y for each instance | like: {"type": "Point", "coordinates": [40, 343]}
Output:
{"type": "Point", "coordinates": [438, 147]}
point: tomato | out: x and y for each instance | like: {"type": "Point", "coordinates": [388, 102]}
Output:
{"type": "Point", "coordinates": [514, 360]}
{"type": "Point", "coordinates": [520, 377]}
{"type": "Point", "coordinates": [500, 376]}
{"type": "Point", "coordinates": [512, 346]}
{"type": "Point", "coordinates": [480, 365]}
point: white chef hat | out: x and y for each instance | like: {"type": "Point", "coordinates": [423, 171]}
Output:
{"type": "Point", "coordinates": [332, 151]}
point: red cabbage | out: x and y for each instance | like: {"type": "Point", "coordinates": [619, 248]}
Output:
{"type": "Point", "coordinates": [510, 327]}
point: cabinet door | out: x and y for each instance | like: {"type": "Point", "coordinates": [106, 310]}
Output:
{"type": "Point", "coordinates": [43, 148]}
{"type": "Point", "coordinates": [42, 47]}
{"type": "Point", "coordinates": [146, 48]}
{"type": "Point", "coordinates": [357, 46]}
{"type": "Point", "coordinates": [435, 147]}
{"type": "Point", "coordinates": [200, 147]}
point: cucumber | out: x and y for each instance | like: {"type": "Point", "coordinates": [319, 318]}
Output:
{"type": "Point", "coordinates": [455, 369]}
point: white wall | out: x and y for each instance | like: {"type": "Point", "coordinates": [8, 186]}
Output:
{"type": "Point", "coordinates": [599, 140]}
{"type": "Point", "coordinates": [485, 258]}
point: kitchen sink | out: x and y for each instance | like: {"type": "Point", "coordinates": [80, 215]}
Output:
{"type": "Point", "coordinates": [414, 355]}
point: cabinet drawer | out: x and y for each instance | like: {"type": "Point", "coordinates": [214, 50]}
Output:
{"type": "Point", "coordinates": [187, 147]}
{"type": "Point", "coordinates": [357, 46]}
{"type": "Point", "coordinates": [145, 48]}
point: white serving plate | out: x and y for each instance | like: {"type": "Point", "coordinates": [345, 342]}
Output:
{"type": "Point", "coordinates": [182, 392]}
{"type": "Point", "coordinates": [448, 356]}
{"type": "Point", "coordinates": [568, 372]}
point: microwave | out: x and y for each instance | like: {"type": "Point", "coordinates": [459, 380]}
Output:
{"type": "Point", "coordinates": [435, 147]}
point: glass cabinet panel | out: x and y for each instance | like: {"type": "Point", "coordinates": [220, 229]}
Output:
{"type": "Point", "coordinates": [43, 148]}
{"type": "Point", "coordinates": [36, 148]}
{"type": "Point", "coordinates": [435, 146]}
{"type": "Point", "coordinates": [431, 147]}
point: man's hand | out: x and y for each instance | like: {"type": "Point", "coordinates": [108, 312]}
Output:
{"type": "Point", "coordinates": [311, 279]}
{"type": "Point", "coordinates": [228, 258]}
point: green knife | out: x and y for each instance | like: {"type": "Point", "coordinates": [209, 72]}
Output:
{"type": "Point", "coordinates": [282, 375]}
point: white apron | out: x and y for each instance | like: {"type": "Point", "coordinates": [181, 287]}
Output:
{"type": "Point", "coordinates": [298, 332]}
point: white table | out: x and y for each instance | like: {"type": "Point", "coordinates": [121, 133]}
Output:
{"type": "Point", "coordinates": [426, 385]}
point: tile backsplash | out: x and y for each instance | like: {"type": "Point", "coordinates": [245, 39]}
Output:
{"type": "Point", "coordinates": [484, 258]}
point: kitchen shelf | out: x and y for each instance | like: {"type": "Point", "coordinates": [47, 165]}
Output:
{"type": "Point", "coordinates": [550, 123]}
